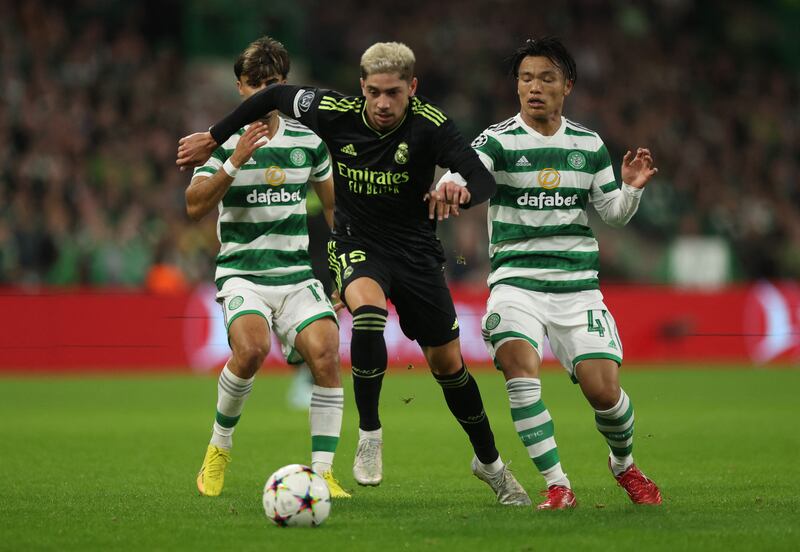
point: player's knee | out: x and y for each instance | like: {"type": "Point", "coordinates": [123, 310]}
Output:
{"type": "Point", "coordinates": [327, 360]}
{"type": "Point", "coordinates": [605, 396]}
{"type": "Point", "coordinates": [518, 359]}
{"type": "Point", "coordinates": [518, 367]}
{"type": "Point", "coordinates": [444, 360]}
{"type": "Point", "coordinates": [251, 355]}
{"type": "Point", "coordinates": [328, 376]}
{"type": "Point", "coordinates": [324, 364]}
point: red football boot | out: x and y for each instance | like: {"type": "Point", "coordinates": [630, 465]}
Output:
{"type": "Point", "coordinates": [640, 489]}
{"type": "Point", "coordinates": [558, 498]}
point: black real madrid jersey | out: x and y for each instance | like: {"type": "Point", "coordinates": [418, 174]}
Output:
{"type": "Point", "coordinates": [380, 178]}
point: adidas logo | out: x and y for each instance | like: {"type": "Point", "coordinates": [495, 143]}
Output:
{"type": "Point", "coordinates": [523, 162]}
{"type": "Point", "coordinates": [349, 150]}
{"type": "Point", "coordinates": [612, 344]}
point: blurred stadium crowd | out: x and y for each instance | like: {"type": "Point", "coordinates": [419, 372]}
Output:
{"type": "Point", "coordinates": [94, 95]}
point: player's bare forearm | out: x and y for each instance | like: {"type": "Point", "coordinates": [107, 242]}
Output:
{"type": "Point", "coordinates": [205, 192]}
{"type": "Point", "coordinates": [328, 214]}
{"type": "Point", "coordinates": [324, 190]}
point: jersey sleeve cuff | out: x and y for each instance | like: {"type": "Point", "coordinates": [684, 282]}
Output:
{"type": "Point", "coordinates": [630, 190]}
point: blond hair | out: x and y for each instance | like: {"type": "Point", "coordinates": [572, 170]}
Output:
{"type": "Point", "coordinates": [388, 57]}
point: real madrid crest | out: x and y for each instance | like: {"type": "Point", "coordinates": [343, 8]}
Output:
{"type": "Point", "coordinates": [401, 155]}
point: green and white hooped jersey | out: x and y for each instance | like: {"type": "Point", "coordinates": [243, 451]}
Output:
{"type": "Point", "coordinates": [262, 226]}
{"type": "Point", "coordinates": [539, 237]}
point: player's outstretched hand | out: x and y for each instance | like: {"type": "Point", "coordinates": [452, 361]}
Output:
{"type": "Point", "coordinates": [194, 150]}
{"type": "Point", "coordinates": [255, 136]}
{"type": "Point", "coordinates": [638, 170]}
{"type": "Point", "coordinates": [444, 201]}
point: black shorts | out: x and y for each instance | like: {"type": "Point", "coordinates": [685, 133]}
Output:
{"type": "Point", "coordinates": [418, 292]}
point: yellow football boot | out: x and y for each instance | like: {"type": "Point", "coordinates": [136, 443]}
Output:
{"type": "Point", "coordinates": [212, 473]}
{"type": "Point", "coordinates": [336, 489]}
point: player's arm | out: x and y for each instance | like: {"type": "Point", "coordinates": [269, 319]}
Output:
{"type": "Point", "coordinates": [194, 149]}
{"type": "Point", "coordinates": [322, 180]}
{"type": "Point", "coordinates": [205, 192]}
{"type": "Point", "coordinates": [488, 150]}
{"type": "Point", "coordinates": [616, 206]}
{"type": "Point", "coordinates": [324, 190]}
{"type": "Point", "coordinates": [456, 154]}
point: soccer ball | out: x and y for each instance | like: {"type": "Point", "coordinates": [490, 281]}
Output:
{"type": "Point", "coordinates": [295, 496]}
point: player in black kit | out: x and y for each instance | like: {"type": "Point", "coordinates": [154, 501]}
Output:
{"type": "Point", "coordinates": [385, 145]}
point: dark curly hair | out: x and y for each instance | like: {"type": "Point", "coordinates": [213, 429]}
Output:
{"type": "Point", "coordinates": [264, 61]}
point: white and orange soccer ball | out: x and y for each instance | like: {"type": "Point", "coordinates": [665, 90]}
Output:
{"type": "Point", "coordinates": [295, 496]}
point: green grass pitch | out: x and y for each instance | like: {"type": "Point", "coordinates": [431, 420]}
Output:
{"type": "Point", "coordinates": [92, 463]}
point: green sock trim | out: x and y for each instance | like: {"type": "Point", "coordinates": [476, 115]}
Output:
{"type": "Point", "coordinates": [547, 460]}
{"type": "Point", "coordinates": [324, 443]}
{"type": "Point", "coordinates": [622, 452]}
{"type": "Point", "coordinates": [227, 421]}
{"type": "Point", "coordinates": [622, 436]}
{"type": "Point", "coordinates": [616, 421]}
{"type": "Point", "coordinates": [527, 411]}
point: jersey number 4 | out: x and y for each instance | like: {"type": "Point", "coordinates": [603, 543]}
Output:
{"type": "Point", "coordinates": [595, 323]}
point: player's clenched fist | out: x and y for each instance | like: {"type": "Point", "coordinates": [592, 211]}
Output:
{"type": "Point", "coordinates": [195, 149]}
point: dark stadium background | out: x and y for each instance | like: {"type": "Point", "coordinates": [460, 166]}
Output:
{"type": "Point", "coordinates": [110, 340]}
{"type": "Point", "coordinates": [94, 95]}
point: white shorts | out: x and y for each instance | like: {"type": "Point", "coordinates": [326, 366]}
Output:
{"type": "Point", "coordinates": [578, 325]}
{"type": "Point", "coordinates": [287, 309]}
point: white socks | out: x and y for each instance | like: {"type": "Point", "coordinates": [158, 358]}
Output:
{"type": "Point", "coordinates": [325, 419]}
{"type": "Point", "coordinates": [232, 391]}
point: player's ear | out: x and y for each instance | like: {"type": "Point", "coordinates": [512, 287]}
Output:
{"type": "Point", "coordinates": [412, 89]}
{"type": "Point", "coordinates": [239, 87]}
{"type": "Point", "coordinates": [363, 86]}
{"type": "Point", "coordinates": [567, 88]}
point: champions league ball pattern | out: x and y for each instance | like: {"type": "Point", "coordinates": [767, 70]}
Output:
{"type": "Point", "coordinates": [295, 496]}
